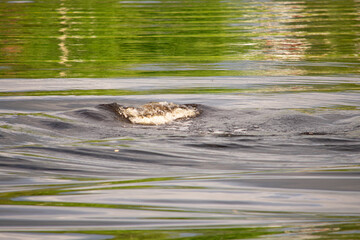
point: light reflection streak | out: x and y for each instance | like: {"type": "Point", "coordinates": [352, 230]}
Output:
{"type": "Point", "coordinates": [64, 57]}
{"type": "Point", "coordinates": [284, 45]}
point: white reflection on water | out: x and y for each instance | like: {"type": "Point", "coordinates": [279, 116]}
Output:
{"type": "Point", "coordinates": [64, 21]}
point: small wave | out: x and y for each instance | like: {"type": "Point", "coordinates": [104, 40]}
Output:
{"type": "Point", "coordinates": [155, 113]}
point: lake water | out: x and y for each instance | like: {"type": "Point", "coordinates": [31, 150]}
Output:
{"type": "Point", "coordinates": [274, 154]}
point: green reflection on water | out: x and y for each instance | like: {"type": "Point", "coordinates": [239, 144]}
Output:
{"type": "Point", "coordinates": [345, 227]}
{"type": "Point", "coordinates": [348, 230]}
{"type": "Point", "coordinates": [284, 88]}
{"type": "Point", "coordinates": [336, 107]}
{"type": "Point", "coordinates": [186, 234]}
{"type": "Point", "coordinates": [182, 38]}
{"type": "Point", "coordinates": [12, 198]}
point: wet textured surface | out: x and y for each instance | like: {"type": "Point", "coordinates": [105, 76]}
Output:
{"type": "Point", "coordinates": [153, 113]}
{"type": "Point", "coordinates": [277, 161]}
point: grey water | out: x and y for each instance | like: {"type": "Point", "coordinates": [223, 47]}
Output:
{"type": "Point", "coordinates": [259, 159]}
{"type": "Point", "coordinates": [274, 154]}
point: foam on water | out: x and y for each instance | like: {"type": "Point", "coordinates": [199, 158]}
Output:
{"type": "Point", "coordinates": [156, 113]}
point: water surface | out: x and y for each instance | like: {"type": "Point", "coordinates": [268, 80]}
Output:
{"type": "Point", "coordinates": [274, 154]}
{"type": "Point", "coordinates": [171, 38]}
{"type": "Point", "coordinates": [260, 160]}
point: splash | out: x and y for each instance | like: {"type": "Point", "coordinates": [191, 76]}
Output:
{"type": "Point", "coordinates": [157, 113]}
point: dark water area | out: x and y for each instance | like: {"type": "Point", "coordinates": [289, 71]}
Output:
{"type": "Point", "coordinates": [274, 154]}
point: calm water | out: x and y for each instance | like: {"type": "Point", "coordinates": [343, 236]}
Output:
{"type": "Point", "coordinates": [275, 153]}
{"type": "Point", "coordinates": [113, 38]}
